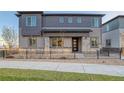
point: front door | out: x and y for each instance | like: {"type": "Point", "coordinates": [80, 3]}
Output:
{"type": "Point", "coordinates": [75, 44]}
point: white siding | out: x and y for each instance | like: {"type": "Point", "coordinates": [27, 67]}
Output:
{"type": "Point", "coordinates": [114, 36]}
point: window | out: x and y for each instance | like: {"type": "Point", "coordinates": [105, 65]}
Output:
{"type": "Point", "coordinates": [79, 20]}
{"type": "Point", "coordinates": [56, 42]}
{"type": "Point", "coordinates": [107, 27]}
{"type": "Point", "coordinates": [95, 22]}
{"type": "Point", "coordinates": [70, 20]}
{"type": "Point", "coordinates": [32, 42]}
{"type": "Point", "coordinates": [31, 20]}
{"type": "Point", "coordinates": [94, 42]}
{"type": "Point", "coordinates": [61, 19]}
{"type": "Point", "coordinates": [108, 42]}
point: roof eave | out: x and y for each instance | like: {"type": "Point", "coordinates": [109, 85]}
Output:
{"type": "Point", "coordinates": [112, 19]}
{"type": "Point", "coordinates": [29, 12]}
{"type": "Point", "coordinates": [54, 14]}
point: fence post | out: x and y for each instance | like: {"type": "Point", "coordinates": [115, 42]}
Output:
{"type": "Point", "coordinates": [74, 55]}
{"type": "Point", "coordinates": [120, 52]}
{"type": "Point", "coordinates": [50, 53]}
{"type": "Point", "coordinates": [97, 54]}
{"type": "Point", "coordinates": [3, 54]}
{"type": "Point", "coordinates": [26, 54]}
{"type": "Point", "coordinates": [108, 53]}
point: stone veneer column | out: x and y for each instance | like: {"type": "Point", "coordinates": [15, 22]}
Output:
{"type": "Point", "coordinates": [85, 44]}
{"type": "Point", "coordinates": [46, 44]}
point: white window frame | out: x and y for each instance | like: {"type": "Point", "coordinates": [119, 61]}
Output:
{"type": "Point", "coordinates": [107, 27]}
{"type": "Point", "coordinates": [95, 22]}
{"type": "Point", "coordinates": [70, 20]}
{"type": "Point", "coordinates": [96, 42]}
{"type": "Point", "coordinates": [79, 20]}
{"type": "Point", "coordinates": [33, 21]}
{"type": "Point", "coordinates": [57, 42]}
{"type": "Point", "coordinates": [61, 19]}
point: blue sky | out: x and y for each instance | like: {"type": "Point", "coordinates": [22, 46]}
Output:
{"type": "Point", "coordinates": [8, 18]}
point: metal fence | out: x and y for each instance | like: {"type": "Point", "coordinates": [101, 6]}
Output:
{"type": "Point", "coordinates": [40, 54]}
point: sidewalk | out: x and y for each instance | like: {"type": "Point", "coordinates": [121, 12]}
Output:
{"type": "Point", "coordinates": [65, 67]}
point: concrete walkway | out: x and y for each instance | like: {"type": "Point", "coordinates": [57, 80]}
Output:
{"type": "Point", "coordinates": [65, 67]}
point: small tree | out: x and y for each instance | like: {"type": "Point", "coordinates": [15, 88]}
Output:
{"type": "Point", "coordinates": [9, 35]}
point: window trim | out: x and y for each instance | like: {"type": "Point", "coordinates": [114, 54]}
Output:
{"type": "Point", "coordinates": [109, 42]}
{"type": "Point", "coordinates": [79, 20]}
{"type": "Point", "coordinates": [61, 20]}
{"type": "Point", "coordinates": [95, 22]}
{"type": "Point", "coordinates": [107, 28]}
{"type": "Point", "coordinates": [51, 45]}
{"type": "Point", "coordinates": [31, 38]}
{"type": "Point", "coordinates": [96, 40]}
{"type": "Point", "coordinates": [70, 20]}
{"type": "Point", "coordinates": [33, 23]}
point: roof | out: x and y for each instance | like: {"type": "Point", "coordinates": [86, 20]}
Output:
{"type": "Point", "coordinates": [30, 12]}
{"type": "Point", "coordinates": [19, 13]}
{"type": "Point", "coordinates": [72, 14]}
{"type": "Point", "coordinates": [113, 19]}
{"type": "Point", "coordinates": [65, 29]}
{"type": "Point", "coordinates": [56, 14]}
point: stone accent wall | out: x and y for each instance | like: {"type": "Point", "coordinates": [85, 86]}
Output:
{"type": "Point", "coordinates": [23, 42]}
{"type": "Point", "coordinates": [47, 44]}
{"type": "Point", "coordinates": [122, 39]}
{"type": "Point", "coordinates": [122, 42]}
{"type": "Point", "coordinates": [85, 44]}
{"type": "Point", "coordinates": [67, 42]}
{"type": "Point", "coordinates": [40, 42]}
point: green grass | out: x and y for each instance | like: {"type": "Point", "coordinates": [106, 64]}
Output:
{"type": "Point", "coordinates": [40, 75]}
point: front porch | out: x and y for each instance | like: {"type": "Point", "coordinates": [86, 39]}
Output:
{"type": "Point", "coordinates": [68, 44]}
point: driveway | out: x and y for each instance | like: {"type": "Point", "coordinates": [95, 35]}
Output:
{"type": "Point", "coordinates": [65, 67]}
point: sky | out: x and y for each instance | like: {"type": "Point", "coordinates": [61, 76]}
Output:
{"type": "Point", "coordinates": [8, 18]}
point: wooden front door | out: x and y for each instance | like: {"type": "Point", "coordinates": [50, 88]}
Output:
{"type": "Point", "coordinates": [75, 44]}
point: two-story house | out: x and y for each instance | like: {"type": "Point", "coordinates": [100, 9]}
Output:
{"type": "Point", "coordinates": [113, 33]}
{"type": "Point", "coordinates": [60, 31]}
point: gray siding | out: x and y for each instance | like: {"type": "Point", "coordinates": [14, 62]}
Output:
{"type": "Point", "coordinates": [113, 25]}
{"type": "Point", "coordinates": [121, 22]}
{"type": "Point", "coordinates": [114, 36]}
{"type": "Point", "coordinates": [53, 21]}
{"type": "Point", "coordinates": [25, 30]}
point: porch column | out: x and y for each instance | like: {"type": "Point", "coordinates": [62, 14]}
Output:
{"type": "Point", "coordinates": [46, 44]}
{"type": "Point", "coordinates": [85, 44]}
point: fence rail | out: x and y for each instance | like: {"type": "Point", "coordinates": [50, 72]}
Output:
{"type": "Point", "coordinates": [40, 54]}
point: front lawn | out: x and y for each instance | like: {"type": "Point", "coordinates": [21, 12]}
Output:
{"type": "Point", "coordinates": [41, 75]}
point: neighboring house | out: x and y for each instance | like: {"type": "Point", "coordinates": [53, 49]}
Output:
{"type": "Point", "coordinates": [60, 32]}
{"type": "Point", "coordinates": [113, 33]}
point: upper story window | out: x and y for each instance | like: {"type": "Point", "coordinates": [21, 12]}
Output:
{"type": "Point", "coordinates": [79, 20]}
{"type": "Point", "coordinates": [107, 27]}
{"type": "Point", "coordinates": [61, 19]}
{"type": "Point", "coordinates": [70, 19]}
{"type": "Point", "coordinates": [31, 20]}
{"type": "Point", "coordinates": [95, 22]}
